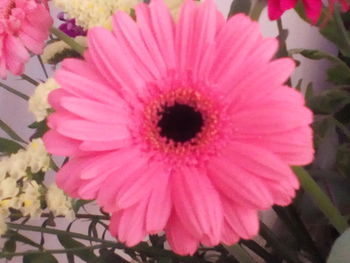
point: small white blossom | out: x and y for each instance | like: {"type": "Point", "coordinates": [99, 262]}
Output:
{"type": "Point", "coordinates": [90, 13]}
{"type": "Point", "coordinates": [38, 103]}
{"type": "Point", "coordinates": [8, 188]}
{"type": "Point", "coordinates": [38, 158]}
{"type": "Point", "coordinates": [30, 199]}
{"type": "Point", "coordinates": [58, 47]}
{"type": "Point", "coordinates": [3, 226]}
{"type": "Point", "coordinates": [17, 164]}
{"type": "Point", "coordinates": [58, 202]}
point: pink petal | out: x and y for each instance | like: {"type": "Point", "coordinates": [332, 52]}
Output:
{"type": "Point", "coordinates": [180, 240]}
{"type": "Point", "coordinates": [159, 205]}
{"type": "Point", "coordinates": [101, 168]}
{"type": "Point", "coordinates": [79, 129]}
{"type": "Point", "coordinates": [243, 221]}
{"type": "Point", "coordinates": [313, 9]}
{"type": "Point", "coordinates": [131, 228]}
{"type": "Point", "coordinates": [105, 145]}
{"type": "Point", "coordinates": [228, 235]}
{"type": "Point", "coordinates": [16, 54]}
{"type": "Point", "coordinates": [183, 38]}
{"type": "Point", "coordinates": [95, 111]}
{"type": "Point", "coordinates": [197, 203]}
{"type": "Point", "coordinates": [144, 23]}
{"type": "Point", "coordinates": [114, 66]}
{"type": "Point", "coordinates": [32, 44]}
{"type": "Point", "coordinates": [67, 177]}
{"type": "Point", "coordinates": [269, 118]}
{"type": "Point", "coordinates": [163, 29]}
{"type": "Point", "coordinates": [118, 175]}
{"type": "Point", "coordinates": [232, 181]}
{"type": "Point", "coordinates": [294, 147]}
{"type": "Point", "coordinates": [57, 144]}
{"type": "Point", "coordinates": [139, 184]}
{"type": "Point", "coordinates": [91, 88]}
{"type": "Point", "coordinates": [259, 83]}
{"type": "Point", "coordinates": [128, 35]}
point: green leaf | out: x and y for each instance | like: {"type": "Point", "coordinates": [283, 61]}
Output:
{"type": "Point", "coordinates": [338, 74]}
{"type": "Point", "coordinates": [9, 247]}
{"type": "Point", "coordinates": [78, 203]}
{"type": "Point", "coordinates": [343, 157]}
{"type": "Point", "coordinates": [13, 91]}
{"type": "Point", "coordinates": [7, 146]}
{"type": "Point", "coordinates": [309, 91]}
{"type": "Point", "coordinates": [240, 6]}
{"type": "Point", "coordinates": [329, 101]}
{"type": "Point", "coordinates": [10, 132]}
{"type": "Point", "coordinates": [165, 260]}
{"type": "Point", "coordinates": [20, 238]}
{"type": "Point", "coordinates": [39, 258]}
{"type": "Point", "coordinates": [68, 242]}
{"type": "Point", "coordinates": [41, 129]}
{"type": "Point", "coordinates": [109, 256]}
{"type": "Point", "coordinates": [334, 30]}
{"type": "Point", "coordinates": [340, 252]}
{"type": "Point", "coordinates": [298, 85]}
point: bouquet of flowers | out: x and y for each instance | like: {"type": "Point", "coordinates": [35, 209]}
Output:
{"type": "Point", "coordinates": [166, 131]}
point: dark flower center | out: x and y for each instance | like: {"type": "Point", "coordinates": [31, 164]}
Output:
{"type": "Point", "coordinates": [180, 122]}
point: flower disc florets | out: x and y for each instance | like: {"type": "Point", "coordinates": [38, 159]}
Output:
{"type": "Point", "coordinates": [181, 123]}
{"type": "Point", "coordinates": [183, 127]}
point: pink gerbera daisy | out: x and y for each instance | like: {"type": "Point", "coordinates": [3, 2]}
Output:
{"type": "Point", "coordinates": [183, 127]}
{"type": "Point", "coordinates": [313, 8]}
{"type": "Point", "coordinates": [24, 26]}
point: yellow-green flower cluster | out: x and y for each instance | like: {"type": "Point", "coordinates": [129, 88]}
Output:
{"type": "Point", "coordinates": [38, 103]}
{"type": "Point", "coordinates": [58, 50]}
{"type": "Point", "coordinates": [58, 202]}
{"type": "Point", "coordinates": [90, 13]}
{"type": "Point", "coordinates": [19, 190]}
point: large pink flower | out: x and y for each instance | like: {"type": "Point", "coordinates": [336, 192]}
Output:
{"type": "Point", "coordinates": [184, 127]}
{"type": "Point", "coordinates": [24, 26]}
{"type": "Point", "coordinates": [313, 8]}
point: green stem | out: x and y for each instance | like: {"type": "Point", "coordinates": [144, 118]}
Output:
{"type": "Point", "coordinates": [10, 132]}
{"type": "Point", "coordinates": [321, 199]}
{"type": "Point", "coordinates": [260, 251]}
{"type": "Point", "coordinates": [257, 9]}
{"type": "Point", "coordinates": [30, 80]}
{"type": "Point", "coordinates": [342, 32]}
{"type": "Point", "coordinates": [53, 251]}
{"type": "Point", "coordinates": [53, 165]}
{"type": "Point", "coordinates": [78, 216]}
{"type": "Point", "coordinates": [282, 51]}
{"type": "Point", "coordinates": [43, 66]}
{"type": "Point", "coordinates": [142, 247]}
{"type": "Point", "coordinates": [61, 232]}
{"type": "Point", "coordinates": [342, 127]}
{"type": "Point", "coordinates": [13, 91]}
{"type": "Point", "coordinates": [68, 40]}
{"type": "Point", "coordinates": [297, 228]}
{"type": "Point", "coordinates": [239, 253]}
{"type": "Point", "coordinates": [279, 246]}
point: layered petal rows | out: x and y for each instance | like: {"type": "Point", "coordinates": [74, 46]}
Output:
{"type": "Point", "coordinates": [184, 127]}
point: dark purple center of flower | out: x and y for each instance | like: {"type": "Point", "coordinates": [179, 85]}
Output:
{"type": "Point", "coordinates": [180, 122]}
